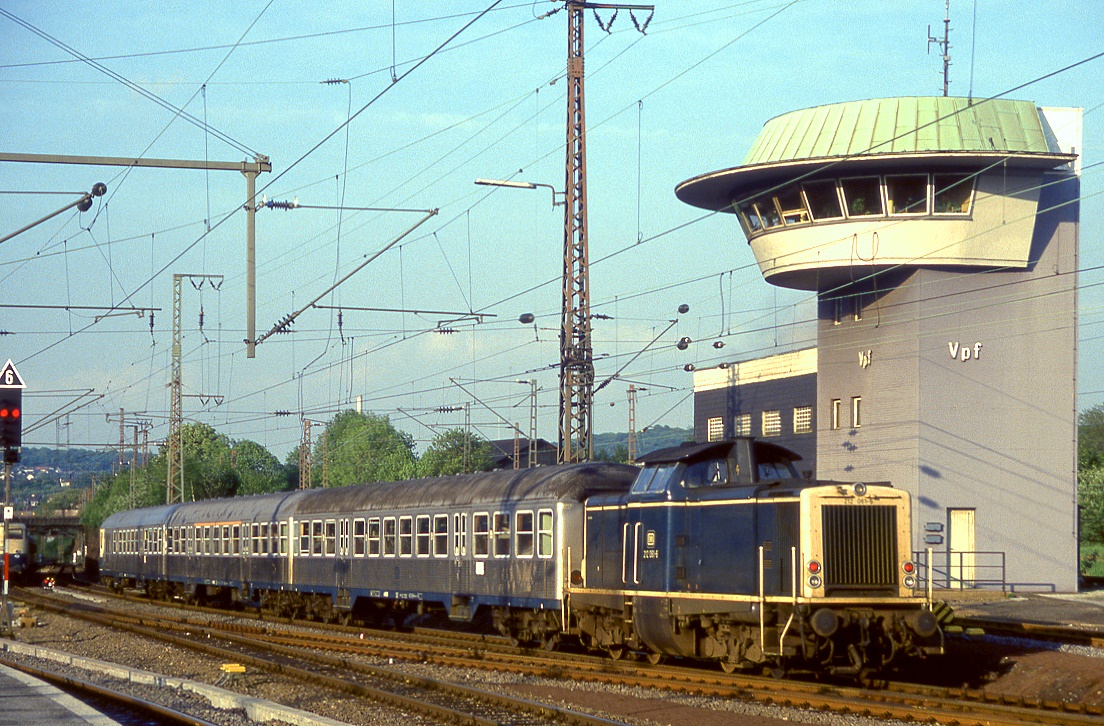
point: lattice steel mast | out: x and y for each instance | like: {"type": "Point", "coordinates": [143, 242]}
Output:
{"type": "Point", "coordinates": [576, 353]}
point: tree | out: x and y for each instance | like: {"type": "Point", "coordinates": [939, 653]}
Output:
{"type": "Point", "coordinates": [364, 448]}
{"type": "Point", "coordinates": [619, 454]}
{"type": "Point", "coordinates": [259, 472]}
{"type": "Point", "coordinates": [208, 473]}
{"type": "Point", "coordinates": [1090, 503]}
{"type": "Point", "coordinates": [446, 454]}
{"type": "Point", "coordinates": [1090, 437]}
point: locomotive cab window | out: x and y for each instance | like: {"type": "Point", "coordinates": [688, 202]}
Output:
{"type": "Point", "coordinates": [707, 473]}
{"type": "Point", "coordinates": [655, 478]}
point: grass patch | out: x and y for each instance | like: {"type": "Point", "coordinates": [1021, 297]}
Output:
{"type": "Point", "coordinates": [1092, 559]}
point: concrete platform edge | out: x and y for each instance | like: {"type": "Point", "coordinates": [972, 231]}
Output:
{"type": "Point", "coordinates": [61, 698]}
{"type": "Point", "coordinates": [258, 709]}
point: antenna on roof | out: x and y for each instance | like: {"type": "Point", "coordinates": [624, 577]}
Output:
{"type": "Point", "coordinates": [944, 45]}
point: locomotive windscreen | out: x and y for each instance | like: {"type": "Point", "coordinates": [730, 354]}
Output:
{"type": "Point", "coordinates": [860, 547]}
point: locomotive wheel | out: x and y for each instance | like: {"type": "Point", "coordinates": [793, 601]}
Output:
{"type": "Point", "coordinates": [654, 658]}
{"type": "Point", "coordinates": [616, 652]}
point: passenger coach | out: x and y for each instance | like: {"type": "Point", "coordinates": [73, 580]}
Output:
{"type": "Point", "coordinates": [504, 540]}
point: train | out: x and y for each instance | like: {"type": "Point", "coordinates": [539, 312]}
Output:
{"type": "Point", "coordinates": [713, 551]}
{"type": "Point", "coordinates": [21, 552]}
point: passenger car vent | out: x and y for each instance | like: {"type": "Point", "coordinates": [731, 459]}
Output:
{"type": "Point", "coordinates": [860, 547]}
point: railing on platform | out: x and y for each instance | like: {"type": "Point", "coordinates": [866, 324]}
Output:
{"type": "Point", "coordinates": [954, 570]}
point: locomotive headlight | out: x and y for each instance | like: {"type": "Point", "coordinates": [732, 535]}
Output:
{"type": "Point", "coordinates": [909, 567]}
{"type": "Point", "coordinates": [814, 567]}
{"type": "Point", "coordinates": [814, 581]}
{"type": "Point", "coordinates": [860, 489]}
{"type": "Point", "coordinates": [814, 573]}
{"type": "Point", "coordinates": [910, 581]}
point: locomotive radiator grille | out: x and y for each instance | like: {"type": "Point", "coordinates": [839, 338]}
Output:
{"type": "Point", "coordinates": [860, 547]}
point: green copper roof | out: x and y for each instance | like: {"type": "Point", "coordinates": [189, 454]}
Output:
{"type": "Point", "coordinates": [900, 125]}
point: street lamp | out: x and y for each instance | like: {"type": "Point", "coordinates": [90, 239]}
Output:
{"type": "Point", "coordinates": [521, 185]}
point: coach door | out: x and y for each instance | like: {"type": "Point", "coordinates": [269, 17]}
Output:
{"type": "Point", "coordinates": [460, 580]}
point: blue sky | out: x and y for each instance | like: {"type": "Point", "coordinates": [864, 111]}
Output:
{"type": "Point", "coordinates": [687, 97]}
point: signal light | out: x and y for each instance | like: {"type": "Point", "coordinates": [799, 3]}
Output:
{"type": "Point", "coordinates": [11, 418]}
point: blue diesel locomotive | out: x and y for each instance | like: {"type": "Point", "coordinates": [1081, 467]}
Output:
{"type": "Point", "coordinates": [712, 551]}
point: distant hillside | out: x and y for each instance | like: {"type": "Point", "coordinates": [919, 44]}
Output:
{"type": "Point", "coordinates": [68, 460]}
{"type": "Point", "coordinates": [656, 437]}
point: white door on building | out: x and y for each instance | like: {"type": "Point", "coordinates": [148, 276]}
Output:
{"type": "Point", "coordinates": [961, 547]}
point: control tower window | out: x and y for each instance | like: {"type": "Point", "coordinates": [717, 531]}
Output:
{"type": "Point", "coordinates": [907, 194]}
{"type": "Point", "coordinates": [823, 199]}
{"type": "Point", "coordinates": [793, 206]}
{"type": "Point", "coordinates": [953, 193]}
{"type": "Point", "coordinates": [750, 218]}
{"type": "Point", "coordinates": [768, 213]}
{"type": "Point", "coordinates": [863, 196]}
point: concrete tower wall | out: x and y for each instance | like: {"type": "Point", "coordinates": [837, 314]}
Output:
{"type": "Point", "coordinates": [968, 402]}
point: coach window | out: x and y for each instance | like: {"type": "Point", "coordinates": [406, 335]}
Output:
{"type": "Point", "coordinates": [440, 535]}
{"type": "Point", "coordinates": [544, 533]}
{"type": "Point", "coordinates": [406, 536]}
{"type": "Point", "coordinates": [501, 534]}
{"type": "Point", "coordinates": [389, 539]}
{"type": "Point", "coordinates": [317, 540]}
{"type": "Point", "coordinates": [255, 545]}
{"type": "Point", "coordinates": [423, 535]}
{"type": "Point", "coordinates": [304, 538]}
{"type": "Point", "coordinates": [523, 527]}
{"type": "Point", "coordinates": [481, 534]}
{"type": "Point", "coordinates": [283, 538]}
{"type": "Point", "coordinates": [237, 539]}
{"type": "Point", "coordinates": [266, 532]}
{"type": "Point", "coordinates": [374, 537]}
{"type": "Point", "coordinates": [227, 530]}
{"type": "Point", "coordinates": [331, 537]}
{"type": "Point", "coordinates": [213, 544]}
{"type": "Point", "coordinates": [358, 538]}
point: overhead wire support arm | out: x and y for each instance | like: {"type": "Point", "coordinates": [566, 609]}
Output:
{"type": "Point", "coordinates": [287, 320]}
{"type": "Point", "coordinates": [84, 204]}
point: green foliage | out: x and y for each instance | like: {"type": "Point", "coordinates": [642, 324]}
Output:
{"type": "Point", "coordinates": [446, 454]}
{"type": "Point", "coordinates": [1090, 437]}
{"type": "Point", "coordinates": [364, 448]}
{"type": "Point", "coordinates": [65, 499]}
{"type": "Point", "coordinates": [1092, 560]}
{"type": "Point", "coordinates": [619, 454]}
{"type": "Point", "coordinates": [656, 437]}
{"type": "Point", "coordinates": [258, 471]}
{"type": "Point", "coordinates": [1090, 503]}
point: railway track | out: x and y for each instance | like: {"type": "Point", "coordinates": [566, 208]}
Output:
{"type": "Point", "coordinates": [440, 700]}
{"type": "Point", "coordinates": [345, 648]}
